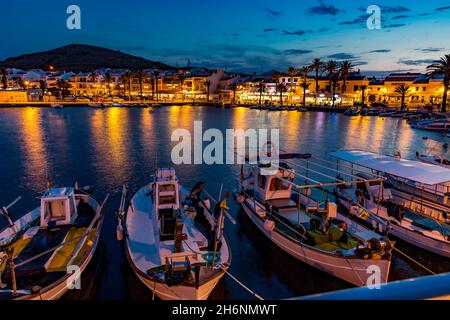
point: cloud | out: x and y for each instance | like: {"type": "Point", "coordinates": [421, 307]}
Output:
{"type": "Point", "coordinates": [296, 52]}
{"type": "Point", "coordinates": [400, 17]}
{"type": "Point", "coordinates": [388, 9]}
{"type": "Point", "coordinates": [410, 62]}
{"type": "Point", "coordinates": [429, 49]}
{"type": "Point", "coordinates": [360, 20]}
{"type": "Point", "coordinates": [271, 12]}
{"type": "Point", "coordinates": [380, 51]}
{"type": "Point", "coordinates": [442, 8]}
{"type": "Point", "coordinates": [396, 25]}
{"type": "Point", "coordinates": [294, 33]}
{"type": "Point", "coordinates": [323, 9]}
{"type": "Point", "coordinates": [342, 56]}
{"type": "Point", "coordinates": [270, 29]}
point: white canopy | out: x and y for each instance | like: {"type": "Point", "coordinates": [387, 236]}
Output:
{"type": "Point", "coordinates": [408, 169]}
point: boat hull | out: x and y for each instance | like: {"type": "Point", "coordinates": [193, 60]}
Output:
{"type": "Point", "coordinates": [353, 270]}
{"type": "Point", "coordinates": [415, 238]}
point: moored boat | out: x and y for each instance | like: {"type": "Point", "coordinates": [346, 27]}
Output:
{"type": "Point", "coordinates": [174, 240]}
{"type": "Point", "coordinates": [43, 253]}
{"type": "Point", "coordinates": [56, 106]}
{"type": "Point", "coordinates": [310, 231]}
{"type": "Point", "coordinates": [411, 219]}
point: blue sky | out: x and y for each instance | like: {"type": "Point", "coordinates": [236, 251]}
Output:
{"type": "Point", "coordinates": [242, 35]}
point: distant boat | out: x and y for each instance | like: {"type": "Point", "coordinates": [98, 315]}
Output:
{"type": "Point", "coordinates": [166, 248]}
{"type": "Point", "coordinates": [95, 105]}
{"type": "Point", "coordinates": [434, 160]}
{"type": "Point", "coordinates": [57, 106]}
{"type": "Point", "coordinates": [302, 109]}
{"type": "Point", "coordinates": [440, 125]}
{"type": "Point", "coordinates": [46, 242]}
{"type": "Point", "coordinates": [351, 112]}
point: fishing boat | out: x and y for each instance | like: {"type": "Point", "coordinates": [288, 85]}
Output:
{"type": "Point", "coordinates": [440, 125]}
{"type": "Point", "coordinates": [351, 112]}
{"type": "Point", "coordinates": [411, 219]}
{"type": "Point", "coordinates": [43, 253]}
{"type": "Point", "coordinates": [56, 106]}
{"type": "Point", "coordinates": [302, 109]}
{"type": "Point", "coordinates": [311, 231]}
{"type": "Point", "coordinates": [292, 108]}
{"type": "Point", "coordinates": [174, 239]}
{"type": "Point", "coordinates": [96, 105]}
{"type": "Point", "coordinates": [434, 160]}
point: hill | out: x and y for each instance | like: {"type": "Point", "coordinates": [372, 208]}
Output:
{"type": "Point", "coordinates": [81, 57]}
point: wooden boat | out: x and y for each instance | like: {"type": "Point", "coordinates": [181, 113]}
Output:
{"type": "Point", "coordinates": [414, 221]}
{"type": "Point", "coordinates": [436, 160]}
{"type": "Point", "coordinates": [43, 254]}
{"type": "Point", "coordinates": [174, 241]}
{"type": "Point", "coordinates": [312, 232]}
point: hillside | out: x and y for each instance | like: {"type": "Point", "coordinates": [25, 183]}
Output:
{"type": "Point", "coordinates": [80, 57]}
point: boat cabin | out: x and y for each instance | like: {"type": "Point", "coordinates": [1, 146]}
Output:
{"type": "Point", "coordinates": [372, 190]}
{"type": "Point", "coordinates": [166, 200]}
{"type": "Point", "coordinates": [274, 186]}
{"type": "Point", "coordinates": [58, 207]}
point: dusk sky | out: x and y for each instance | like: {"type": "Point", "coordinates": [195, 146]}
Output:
{"type": "Point", "coordinates": [239, 35]}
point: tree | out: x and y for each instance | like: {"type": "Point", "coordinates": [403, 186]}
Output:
{"type": "Point", "coordinates": [155, 74]}
{"type": "Point", "coordinates": [4, 76]}
{"type": "Point", "coordinates": [305, 85]}
{"type": "Point", "coordinates": [108, 80]}
{"type": "Point", "coordinates": [126, 80]}
{"type": "Point", "coordinates": [333, 75]}
{"type": "Point", "coordinates": [93, 77]}
{"type": "Point", "coordinates": [441, 68]}
{"type": "Point", "coordinates": [345, 68]}
{"type": "Point", "coordinates": [261, 90]}
{"type": "Point", "coordinates": [317, 66]}
{"type": "Point", "coordinates": [281, 88]}
{"type": "Point", "coordinates": [141, 75]}
{"type": "Point", "coordinates": [208, 86]}
{"type": "Point", "coordinates": [363, 89]}
{"type": "Point", "coordinates": [403, 91]}
{"type": "Point", "coordinates": [43, 87]}
{"type": "Point", "coordinates": [63, 87]}
{"type": "Point", "coordinates": [21, 83]}
{"type": "Point", "coordinates": [234, 87]}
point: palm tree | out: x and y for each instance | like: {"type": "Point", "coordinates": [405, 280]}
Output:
{"type": "Point", "coordinates": [345, 68]}
{"type": "Point", "coordinates": [62, 86]}
{"type": "Point", "coordinates": [403, 90]}
{"type": "Point", "coordinates": [304, 71]}
{"type": "Point", "coordinates": [126, 79]}
{"type": "Point", "coordinates": [363, 89]}
{"type": "Point", "coordinates": [155, 74]}
{"type": "Point", "coordinates": [281, 88]}
{"type": "Point", "coordinates": [317, 67]}
{"type": "Point", "coordinates": [261, 90]}
{"type": "Point", "coordinates": [333, 75]}
{"type": "Point", "coordinates": [441, 68]}
{"type": "Point", "coordinates": [208, 85]}
{"type": "Point", "coordinates": [305, 85]}
{"type": "Point", "coordinates": [141, 75]}
{"type": "Point", "coordinates": [4, 76]}
{"type": "Point", "coordinates": [108, 80]}
{"type": "Point", "coordinates": [93, 78]}
{"type": "Point", "coordinates": [43, 87]}
{"type": "Point", "coordinates": [21, 83]}
{"type": "Point", "coordinates": [234, 87]}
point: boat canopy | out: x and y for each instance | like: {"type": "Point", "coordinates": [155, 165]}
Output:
{"type": "Point", "coordinates": [408, 169]}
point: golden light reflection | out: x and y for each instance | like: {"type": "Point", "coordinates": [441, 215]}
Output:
{"type": "Point", "coordinates": [109, 130]}
{"type": "Point", "coordinates": [34, 147]}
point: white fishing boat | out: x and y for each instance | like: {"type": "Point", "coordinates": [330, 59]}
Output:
{"type": "Point", "coordinates": [173, 240]}
{"type": "Point", "coordinates": [411, 220]}
{"type": "Point", "coordinates": [433, 159]}
{"type": "Point", "coordinates": [56, 106]}
{"type": "Point", "coordinates": [311, 231]}
{"type": "Point", "coordinates": [43, 254]}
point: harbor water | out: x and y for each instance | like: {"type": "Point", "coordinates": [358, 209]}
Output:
{"type": "Point", "coordinates": [115, 146]}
